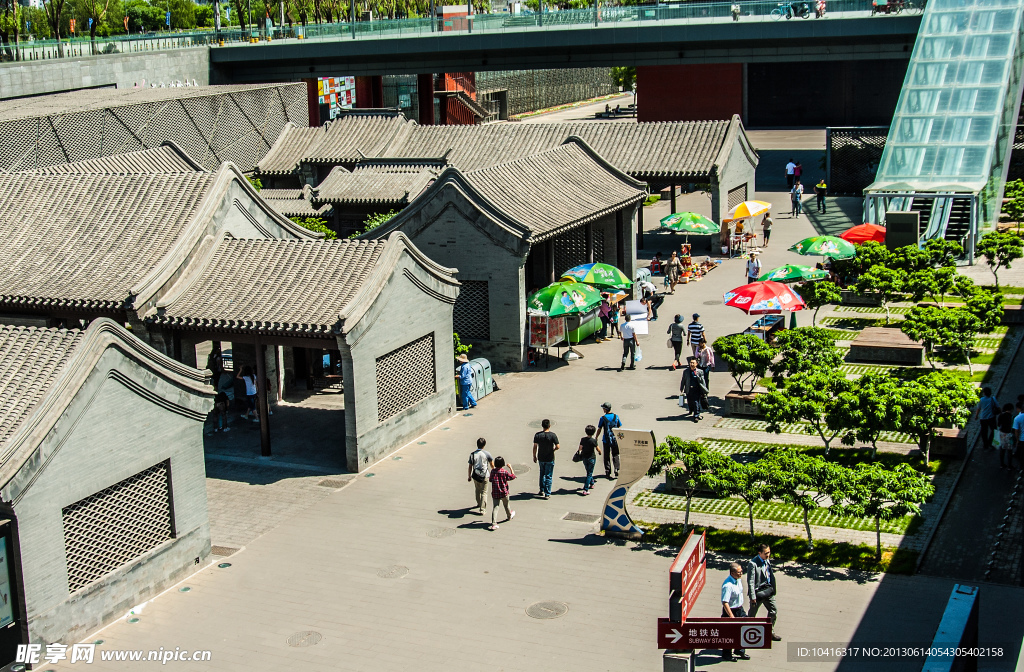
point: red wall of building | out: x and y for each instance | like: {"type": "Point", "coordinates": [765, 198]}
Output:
{"type": "Point", "coordinates": [689, 92]}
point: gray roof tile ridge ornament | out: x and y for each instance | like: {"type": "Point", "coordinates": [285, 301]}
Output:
{"type": "Point", "coordinates": [184, 155]}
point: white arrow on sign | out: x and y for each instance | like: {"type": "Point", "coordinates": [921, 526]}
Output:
{"type": "Point", "coordinates": [674, 635]}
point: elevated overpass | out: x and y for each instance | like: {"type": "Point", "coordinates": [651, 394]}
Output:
{"type": "Point", "coordinates": [496, 44]}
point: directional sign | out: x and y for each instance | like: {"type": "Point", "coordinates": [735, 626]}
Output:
{"type": "Point", "coordinates": [715, 633]}
{"type": "Point", "coordinates": [690, 556]}
{"type": "Point", "coordinates": [681, 601]}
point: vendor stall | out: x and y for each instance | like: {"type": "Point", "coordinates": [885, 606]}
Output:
{"type": "Point", "coordinates": [694, 270]}
{"type": "Point", "coordinates": [545, 332]}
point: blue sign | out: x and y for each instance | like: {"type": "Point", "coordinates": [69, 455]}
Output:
{"type": "Point", "coordinates": [28, 25]}
{"type": "Point", "coordinates": [167, 19]}
{"type": "Point", "coordinates": [90, 23]}
{"type": "Point", "coordinates": [227, 13]}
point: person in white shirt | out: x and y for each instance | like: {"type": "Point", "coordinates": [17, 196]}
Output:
{"type": "Point", "coordinates": [732, 604]}
{"type": "Point", "coordinates": [790, 174]}
{"type": "Point", "coordinates": [753, 268]}
{"type": "Point", "coordinates": [628, 336]}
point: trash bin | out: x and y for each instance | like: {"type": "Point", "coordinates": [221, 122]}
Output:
{"type": "Point", "coordinates": [643, 274]}
{"type": "Point", "coordinates": [482, 379]}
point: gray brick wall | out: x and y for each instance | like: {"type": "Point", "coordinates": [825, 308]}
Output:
{"type": "Point", "coordinates": [108, 433]}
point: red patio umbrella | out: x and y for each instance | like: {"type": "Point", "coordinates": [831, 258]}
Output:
{"type": "Point", "coordinates": [862, 233]}
{"type": "Point", "coordinates": [760, 298]}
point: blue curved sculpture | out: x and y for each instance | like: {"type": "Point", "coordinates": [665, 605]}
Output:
{"type": "Point", "coordinates": [636, 454]}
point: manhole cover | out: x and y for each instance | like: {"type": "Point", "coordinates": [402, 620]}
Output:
{"type": "Point", "coordinates": [632, 407]}
{"type": "Point", "coordinates": [713, 303]}
{"type": "Point", "coordinates": [334, 482]}
{"type": "Point", "coordinates": [521, 469]}
{"type": "Point", "coordinates": [440, 532]}
{"type": "Point", "coordinates": [305, 638]}
{"type": "Point", "coordinates": [536, 424]}
{"type": "Point", "coordinates": [223, 551]}
{"type": "Point", "coordinates": [582, 517]}
{"type": "Point", "coordinates": [547, 610]}
{"type": "Point", "coordinates": [392, 572]}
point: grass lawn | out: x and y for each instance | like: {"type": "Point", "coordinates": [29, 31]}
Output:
{"type": "Point", "coordinates": [788, 549]}
{"type": "Point", "coordinates": [874, 310]}
{"type": "Point", "coordinates": [776, 511]}
{"type": "Point", "coordinates": [754, 425]}
{"type": "Point", "coordinates": [844, 455]}
{"type": "Point", "coordinates": [851, 323]}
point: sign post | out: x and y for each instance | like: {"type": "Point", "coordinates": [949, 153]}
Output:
{"type": "Point", "coordinates": [636, 455]}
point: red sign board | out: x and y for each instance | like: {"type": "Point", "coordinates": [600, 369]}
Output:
{"type": "Point", "coordinates": [690, 556]}
{"type": "Point", "coordinates": [681, 601]}
{"type": "Point", "coordinates": [715, 633]}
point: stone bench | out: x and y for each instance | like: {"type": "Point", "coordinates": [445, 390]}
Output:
{"type": "Point", "coordinates": [949, 441]}
{"type": "Point", "coordinates": [742, 403]}
{"type": "Point", "coordinates": [849, 297]}
{"type": "Point", "coordinates": [886, 345]}
{"type": "Point", "coordinates": [1013, 314]}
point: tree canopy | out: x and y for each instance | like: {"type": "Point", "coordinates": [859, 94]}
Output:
{"type": "Point", "coordinates": [747, 356]}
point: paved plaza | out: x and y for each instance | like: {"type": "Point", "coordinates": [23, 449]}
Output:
{"type": "Point", "coordinates": [389, 570]}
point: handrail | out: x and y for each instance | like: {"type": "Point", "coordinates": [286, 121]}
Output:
{"type": "Point", "coordinates": [501, 22]}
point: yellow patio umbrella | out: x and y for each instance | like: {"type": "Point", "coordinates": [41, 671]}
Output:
{"type": "Point", "coordinates": [749, 209]}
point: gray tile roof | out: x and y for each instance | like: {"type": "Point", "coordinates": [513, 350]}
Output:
{"type": "Point", "coordinates": [31, 359]}
{"type": "Point", "coordinates": [568, 187]}
{"type": "Point", "coordinates": [84, 242]}
{"type": "Point", "coordinates": [356, 135]}
{"type": "Point", "coordinates": [298, 207]}
{"type": "Point", "coordinates": [374, 184]}
{"type": "Point", "coordinates": [167, 158]}
{"type": "Point", "coordinates": [281, 193]}
{"type": "Point", "coordinates": [661, 149]}
{"type": "Point", "coordinates": [289, 148]}
{"type": "Point", "coordinates": [274, 286]}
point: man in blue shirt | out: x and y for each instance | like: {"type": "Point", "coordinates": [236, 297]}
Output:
{"type": "Point", "coordinates": [987, 414]}
{"type": "Point", "coordinates": [1018, 436]}
{"type": "Point", "coordinates": [606, 432]}
{"type": "Point", "coordinates": [465, 376]}
{"type": "Point", "coordinates": [732, 604]}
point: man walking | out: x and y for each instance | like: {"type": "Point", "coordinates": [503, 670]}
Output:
{"type": "Point", "coordinates": [732, 604]}
{"type": "Point", "coordinates": [790, 174]}
{"type": "Point", "coordinates": [607, 424]}
{"type": "Point", "coordinates": [465, 376]}
{"type": "Point", "coordinates": [753, 268]}
{"type": "Point", "coordinates": [797, 195]}
{"type": "Point", "coordinates": [480, 465]}
{"type": "Point", "coordinates": [694, 388]}
{"type": "Point", "coordinates": [987, 414]}
{"type": "Point", "coordinates": [545, 443]}
{"type": "Point", "coordinates": [820, 189]}
{"type": "Point", "coordinates": [694, 334]}
{"type": "Point", "coordinates": [628, 335]}
{"type": "Point", "coordinates": [761, 585]}
{"type": "Point", "coordinates": [1018, 436]}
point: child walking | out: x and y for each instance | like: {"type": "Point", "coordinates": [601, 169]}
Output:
{"type": "Point", "coordinates": [588, 446]}
{"type": "Point", "coordinates": [500, 476]}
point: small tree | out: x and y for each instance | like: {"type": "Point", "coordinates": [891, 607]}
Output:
{"type": "Point", "coordinates": [886, 283]}
{"type": "Point", "coordinates": [933, 400]}
{"type": "Point", "coordinates": [999, 249]}
{"type": "Point", "coordinates": [952, 328]}
{"type": "Point", "coordinates": [803, 349]}
{"type": "Point", "coordinates": [803, 480]}
{"type": "Point", "coordinates": [315, 224]}
{"type": "Point", "coordinates": [460, 347]}
{"type": "Point", "coordinates": [747, 356]}
{"type": "Point", "coordinates": [987, 307]}
{"type": "Point", "coordinates": [873, 491]}
{"type": "Point", "coordinates": [817, 294]}
{"type": "Point", "coordinates": [701, 470]}
{"type": "Point", "coordinates": [910, 258]}
{"type": "Point", "coordinates": [373, 221]}
{"type": "Point", "coordinates": [1014, 206]}
{"type": "Point", "coordinates": [815, 397]}
{"type": "Point", "coordinates": [869, 254]}
{"type": "Point", "coordinates": [877, 408]}
{"type": "Point", "coordinates": [943, 253]}
{"type": "Point", "coordinates": [749, 482]}
{"type": "Point", "coordinates": [933, 282]}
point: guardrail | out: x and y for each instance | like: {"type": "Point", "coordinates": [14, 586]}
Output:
{"type": "Point", "coordinates": [688, 13]}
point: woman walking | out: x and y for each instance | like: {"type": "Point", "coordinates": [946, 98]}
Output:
{"type": "Point", "coordinates": [706, 360]}
{"type": "Point", "coordinates": [588, 448]}
{"type": "Point", "coordinates": [674, 269]}
{"type": "Point", "coordinates": [766, 226]}
{"type": "Point", "coordinates": [500, 476]}
{"type": "Point", "coordinates": [676, 331]}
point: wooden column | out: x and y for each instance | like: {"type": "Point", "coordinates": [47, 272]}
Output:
{"type": "Point", "coordinates": [640, 227]}
{"type": "Point", "coordinates": [590, 242]}
{"type": "Point", "coordinates": [620, 241]}
{"type": "Point", "coordinates": [262, 403]}
{"type": "Point", "coordinates": [673, 197]}
{"type": "Point", "coordinates": [549, 254]}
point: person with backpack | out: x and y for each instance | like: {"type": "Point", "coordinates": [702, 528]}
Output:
{"type": "Point", "coordinates": [607, 424]}
{"type": "Point", "coordinates": [500, 476]}
{"type": "Point", "coordinates": [585, 454]}
{"type": "Point", "coordinates": [480, 464]}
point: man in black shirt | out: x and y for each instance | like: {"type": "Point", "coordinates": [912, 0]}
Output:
{"type": "Point", "coordinates": [588, 446]}
{"type": "Point", "coordinates": [545, 443]}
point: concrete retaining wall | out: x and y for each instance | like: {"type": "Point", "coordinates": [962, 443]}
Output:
{"type": "Point", "coordinates": [123, 71]}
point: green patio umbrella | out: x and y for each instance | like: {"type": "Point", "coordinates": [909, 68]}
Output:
{"type": "Point", "coordinates": [689, 222]}
{"type": "Point", "coordinates": [825, 246]}
{"type": "Point", "coordinates": [794, 273]}
{"type": "Point", "coordinates": [600, 275]}
{"type": "Point", "coordinates": [564, 298]}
